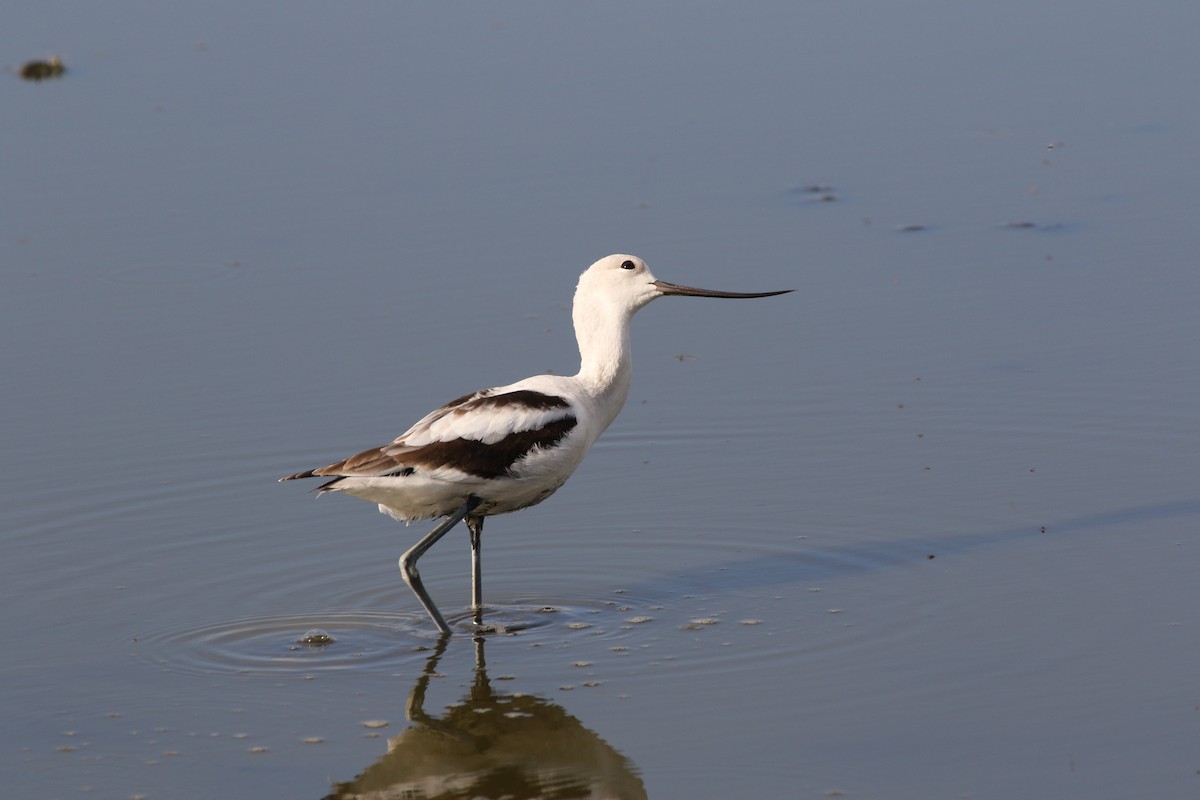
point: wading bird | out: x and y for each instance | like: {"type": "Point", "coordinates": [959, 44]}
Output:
{"type": "Point", "coordinates": [507, 448]}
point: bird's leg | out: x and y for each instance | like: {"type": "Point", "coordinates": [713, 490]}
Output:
{"type": "Point", "coordinates": [408, 561]}
{"type": "Point", "coordinates": [475, 526]}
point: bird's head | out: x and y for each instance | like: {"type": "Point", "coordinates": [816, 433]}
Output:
{"type": "Point", "coordinates": [624, 282]}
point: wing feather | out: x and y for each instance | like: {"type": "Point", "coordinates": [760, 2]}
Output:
{"type": "Point", "coordinates": [481, 434]}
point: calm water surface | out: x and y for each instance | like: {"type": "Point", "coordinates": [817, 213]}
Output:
{"type": "Point", "coordinates": [926, 528]}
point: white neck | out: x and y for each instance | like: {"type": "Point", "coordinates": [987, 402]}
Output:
{"type": "Point", "coordinates": [605, 368]}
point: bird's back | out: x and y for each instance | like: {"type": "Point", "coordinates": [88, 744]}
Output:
{"type": "Point", "coordinates": [512, 446]}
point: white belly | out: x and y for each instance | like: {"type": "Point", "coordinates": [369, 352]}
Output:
{"type": "Point", "coordinates": [436, 493]}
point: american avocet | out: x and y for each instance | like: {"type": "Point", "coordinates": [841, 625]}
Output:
{"type": "Point", "coordinates": [507, 448]}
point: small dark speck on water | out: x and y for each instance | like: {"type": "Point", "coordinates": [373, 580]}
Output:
{"type": "Point", "coordinates": [931, 556]}
{"type": "Point", "coordinates": [1021, 225]}
{"type": "Point", "coordinates": [43, 70]}
{"type": "Point", "coordinates": [823, 193]}
{"type": "Point", "coordinates": [315, 638]}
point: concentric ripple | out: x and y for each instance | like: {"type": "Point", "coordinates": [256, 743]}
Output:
{"type": "Point", "coordinates": [361, 640]}
{"type": "Point", "coordinates": [288, 643]}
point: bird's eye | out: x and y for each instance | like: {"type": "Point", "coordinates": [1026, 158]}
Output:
{"type": "Point", "coordinates": [628, 265]}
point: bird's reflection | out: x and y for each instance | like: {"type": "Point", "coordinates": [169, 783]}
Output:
{"type": "Point", "coordinates": [492, 745]}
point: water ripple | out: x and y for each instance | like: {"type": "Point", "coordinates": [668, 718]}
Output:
{"type": "Point", "coordinates": [323, 641]}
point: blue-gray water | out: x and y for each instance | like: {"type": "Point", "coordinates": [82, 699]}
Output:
{"type": "Point", "coordinates": [925, 528]}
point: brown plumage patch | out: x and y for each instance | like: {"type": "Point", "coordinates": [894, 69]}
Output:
{"type": "Point", "coordinates": [467, 455]}
{"type": "Point", "coordinates": [458, 401]}
{"type": "Point", "coordinates": [488, 460]}
{"type": "Point", "coordinates": [523, 398]}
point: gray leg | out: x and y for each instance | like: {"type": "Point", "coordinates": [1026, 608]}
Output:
{"type": "Point", "coordinates": [475, 526]}
{"type": "Point", "coordinates": [408, 561]}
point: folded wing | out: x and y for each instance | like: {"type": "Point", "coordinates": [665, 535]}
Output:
{"type": "Point", "coordinates": [482, 435]}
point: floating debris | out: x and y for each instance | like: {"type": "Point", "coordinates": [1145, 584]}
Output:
{"type": "Point", "coordinates": [375, 723]}
{"type": "Point", "coordinates": [315, 638]}
{"type": "Point", "coordinates": [698, 623]}
{"type": "Point", "coordinates": [821, 193]}
{"type": "Point", "coordinates": [43, 70]}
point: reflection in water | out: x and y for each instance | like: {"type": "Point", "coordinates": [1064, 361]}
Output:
{"type": "Point", "coordinates": [493, 745]}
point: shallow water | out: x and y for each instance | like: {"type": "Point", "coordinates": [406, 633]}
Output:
{"type": "Point", "coordinates": [926, 527]}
